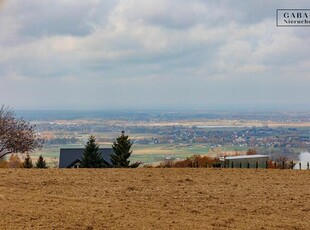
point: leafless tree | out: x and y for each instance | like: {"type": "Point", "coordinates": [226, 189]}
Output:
{"type": "Point", "coordinates": [16, 134]}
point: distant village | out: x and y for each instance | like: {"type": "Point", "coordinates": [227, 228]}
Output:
{"type": "Point", "coordinates": [239, 137]}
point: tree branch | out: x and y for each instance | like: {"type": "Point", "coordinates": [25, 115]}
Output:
{"type": "Point", "coordinates": [4, 154]}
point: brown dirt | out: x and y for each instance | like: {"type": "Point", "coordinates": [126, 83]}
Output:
{"type": "Point", "coordinates": [154, 199]}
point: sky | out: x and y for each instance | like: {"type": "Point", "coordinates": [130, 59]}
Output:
{"type": "Point", "coordinates": [73, 54]}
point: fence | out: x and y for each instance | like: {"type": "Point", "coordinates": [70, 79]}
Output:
{"type": "Point", "coordinates": [302, 165]}
{"type": "Point", "coordinates": [268, 165]}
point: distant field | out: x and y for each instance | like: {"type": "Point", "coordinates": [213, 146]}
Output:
{"type": "Point", "coordinates": [154, 199]}
{"type": "Point", "coordinates": [152, 152]}
{"type": "Point", "coordinates": [206, 123]}
{"type": "Point", "coordinates": [144, 153]}
{"type": "Point", "coordinates": [148, 153]}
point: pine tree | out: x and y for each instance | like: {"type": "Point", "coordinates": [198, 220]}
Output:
{"type": "Point", "coordinates": [91, 156]}
{"type": "Point", "coordinates": [41, 164]}
{"type": "Point", "coordinates": [28, 162]}
{"type": "Point", "coordinates": [121, 148]}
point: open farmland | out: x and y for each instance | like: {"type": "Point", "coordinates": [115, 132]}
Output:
{"type": "Point", "coordinates": [179, 135]}
{"type": "Point", "coordinates": [154, 199]}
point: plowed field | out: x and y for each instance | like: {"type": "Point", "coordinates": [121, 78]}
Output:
{"type": "Point", "coordinates": [154, 199]}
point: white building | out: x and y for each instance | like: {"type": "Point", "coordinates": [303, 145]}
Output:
{"type": "Point", "coordinates": [245, 161]}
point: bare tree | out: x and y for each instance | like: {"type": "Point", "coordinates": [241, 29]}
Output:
{"type": "Point", "coordinates": [16, 134]}
{"type": "Point", "coordinates": [251, 152]}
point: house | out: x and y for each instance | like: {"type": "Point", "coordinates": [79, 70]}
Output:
{"type": "Point", "coordinates": [71, 157]}
{"type": "Point", "coordinates": [245, 161]}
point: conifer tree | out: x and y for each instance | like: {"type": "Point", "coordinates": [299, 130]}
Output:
{"type": "Point", "coordinates": [28, 162]}
{"type": "Point", "coordinates": [91, 156]}
{"type": "Point", "coordinates": [122, 151]}
{"type": "Point", "coordinates": [41, 164]}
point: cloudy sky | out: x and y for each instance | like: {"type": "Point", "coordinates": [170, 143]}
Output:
{"type": "Point", "coordinates": [109, 54]}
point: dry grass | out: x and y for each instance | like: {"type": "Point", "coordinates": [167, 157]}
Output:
{"type": "Point", "coordinates": [154, 199]}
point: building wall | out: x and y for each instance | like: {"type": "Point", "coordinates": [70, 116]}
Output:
{"type": "Point", "coordinates": [245, 162]}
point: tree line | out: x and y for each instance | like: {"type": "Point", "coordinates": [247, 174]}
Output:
{"type": "Point", "coordinates": [15, 162]}
{"type": "Point", "coordinates": [19, 136]}
{"type": "Point", "coordinates": [92, 157]}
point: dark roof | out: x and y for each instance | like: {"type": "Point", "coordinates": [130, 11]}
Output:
{"type": "Point", "coordinates": [73, 163]}
{"type": "Point", "coordinates": [70, 156]}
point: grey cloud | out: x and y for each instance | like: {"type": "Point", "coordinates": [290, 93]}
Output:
{"type": "Point", "coordinates": [49, 18]}
{"type": "Point", "coordinates": [174, 14]}
{"type": "Point", "coordinates": [217, 52]}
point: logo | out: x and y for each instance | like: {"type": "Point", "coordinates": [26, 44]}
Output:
{"type": "Point", "coordinates": [293, 17]}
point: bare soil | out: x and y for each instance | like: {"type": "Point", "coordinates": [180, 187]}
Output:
{"type": "Point", "coordinates": [154, 199]}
